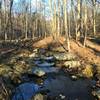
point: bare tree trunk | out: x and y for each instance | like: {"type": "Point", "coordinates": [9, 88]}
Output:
{"type": "Point", "coordinates": [45, 22]}
{"type": "Point", "coordinates": [85, 23]}
{"type": "Point", "coordinates": [69, 33]}
{"type": "Point", "coordinates": [26, 28]}
{"type": "Point", "coordinates": [79, 19]}
{"type": "Point", "coordinates": [94, 15]}
{"type": "Point", "coordinates": [36, 20]}
{"type": "Point", "coordinates": [8, 21]}
{"type": "Point", "coordinates": [66, 23]}
{"type": "Point", "coordinates": [74, 18]}
{"type": "Point", "coordinates": [10, 15]}
{"type": "Point", "coordinates": [53, 19]}
{"type": "Point", "coordinates": [5, 11]}
{"type": "Point", "coordinates": [30, 30]}
{"type": "Point", "coordinates": [58, 18]}
{"type": "Point", "coordinates": [26, 22]}
{"type": "Point", "coordinates": [44, 14]}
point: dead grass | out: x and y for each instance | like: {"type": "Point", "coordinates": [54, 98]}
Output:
{"type": "Point", "coordinates": [86, 54]}
{"type": "Point", "coordinates": [45, 42]}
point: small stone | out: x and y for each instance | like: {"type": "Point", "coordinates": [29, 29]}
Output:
{"type": "Point", "coordinates": [74, 77]}
{"type": "Point", "coordinates": [35, 50]}
{"type": "Point", "coordinates": [62, 96]}
{"type": "Point", "coordinates": [32, 55]}
{"type": "Point", "coordinates": [38, 97]}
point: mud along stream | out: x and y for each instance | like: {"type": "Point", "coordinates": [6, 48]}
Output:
{"type": "Point", "coordinates": [43, 75]}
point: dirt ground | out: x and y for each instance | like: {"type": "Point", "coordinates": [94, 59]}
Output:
{"type": "Point", "coordinates": [85, 53]}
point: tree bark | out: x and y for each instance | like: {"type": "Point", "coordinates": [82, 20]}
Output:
{"type": "Point", "coordinates": [26, 22]}
{"type": "Point", "coordinates": [94, 15]}
{"type": "Point", "coordinates": [58, 33]}
{"type": "Point", "coordinates": [85, 24]}
{"type": "Point", "coordinates": [66, 24]}
{"type": "Point", "coordinates": [5, 12]}
{"type": "Point", "coordinates": [10, 15]}
{"type": "Point", "coordinates": [79, 19]}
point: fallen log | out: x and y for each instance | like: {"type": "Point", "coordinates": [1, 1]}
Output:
{"type": "Point", "coordinates": [93, 46]}
{"type": "Point", "coordinates": [6, 52]}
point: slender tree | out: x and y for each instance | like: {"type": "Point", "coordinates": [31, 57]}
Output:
{"type": "Point", "coordinates": [79, 19]}
{"type": "Point", "coordinates": [94, 16]}
{"type": "Point", "coordinates": [5, 23]}
{"type": "Point", "coordinates": [10, 16]}
{"type": "Point", "coordinates": [85, 23]}
{"type": "Point", "coordinates": [26, 21]}
{"type": "Point", "coordinates": [66, 23]}
{"type": "Point", "coordinates": [58, 32]}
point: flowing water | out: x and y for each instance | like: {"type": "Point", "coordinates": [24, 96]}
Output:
{"type": "Point", "coordinates": [56, 84]}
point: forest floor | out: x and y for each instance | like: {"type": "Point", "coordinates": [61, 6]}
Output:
{"type": "Point", "coordinates": [17, 61]}
{"type": "Point", "coordinates": [89, 54]}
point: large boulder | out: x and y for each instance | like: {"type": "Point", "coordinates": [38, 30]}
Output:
{"type": "Point", "coordinates": [37, 71]}
{"type": "Point", "coordinates": [72, 64]}
{"type": "Point", "coordinates": [64, 56]}
{"type": "Point", "coordinates": [41, 71]}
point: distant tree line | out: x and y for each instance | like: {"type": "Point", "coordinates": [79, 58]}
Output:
{"type": "Point", "coordinates": [71, 18]}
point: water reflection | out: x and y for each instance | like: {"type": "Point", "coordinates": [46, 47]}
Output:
{"type": "Point", "coordinates": [25, 91]}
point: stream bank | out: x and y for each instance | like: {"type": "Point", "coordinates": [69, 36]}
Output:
{"type": "Point", "coordinates": [44, 72]}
